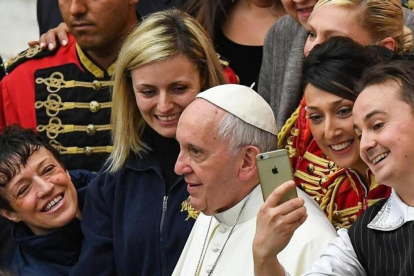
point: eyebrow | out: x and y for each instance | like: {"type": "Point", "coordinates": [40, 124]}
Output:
{"type": "Point", "coordinates": [369, 116]}
{"type": "Point", "coordinates": [332, 104]}
{"type": "Point", "coordinates": [328, 32]}
{"type": "Point", "coordinates": [373, 113]}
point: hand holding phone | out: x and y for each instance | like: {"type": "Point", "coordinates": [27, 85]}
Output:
{"type": "Point", "coordinates": [275, 169]}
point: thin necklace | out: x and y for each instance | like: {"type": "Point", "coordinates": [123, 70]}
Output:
{"type": "Point", "coordinates": [228, 237]}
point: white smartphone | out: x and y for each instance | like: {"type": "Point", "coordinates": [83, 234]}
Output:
{"type": "Point", "coordinates": [275, 169]}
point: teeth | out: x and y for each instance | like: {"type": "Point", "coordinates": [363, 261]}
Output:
{"type": "Point", "coordinates": [341, 146]}
{"type": "Point", "coordinates": [53, 203]}
{"type": "Point", "coordinates": [380, 157]}
{"type": "Point", "coordinates": [168, 118]}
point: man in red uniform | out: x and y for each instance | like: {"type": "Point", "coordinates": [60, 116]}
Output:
{"type": "Point", "coordinates": [65, 94]}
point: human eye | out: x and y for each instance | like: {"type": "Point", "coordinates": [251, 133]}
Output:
{"type": "Point", "coordinates": [197, 154]}
{"type": "Point", "coordinates": [23, 190]}
{"type": "Point", "coordinates": [49, 169]}
{"type": "Point", "coordinates": [179, 89]}
{"type": "Point", "coordinates": [311, 35]}
{"type": "Point", "coordinates": [147, 92]}
{"type": "Point", "coordinates": [315, 118]}
{"type": "Point", "coordinates": [345, 111]}
{"type": "Point", "coordinates": [377, 126]}
{"type": "Point", "coordinates": [194, 151]}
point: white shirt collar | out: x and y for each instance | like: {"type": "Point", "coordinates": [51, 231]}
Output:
{"type": "Point", "coordinates": [229, 216]}
{"type": "Point", "coordinates": [393, 214]}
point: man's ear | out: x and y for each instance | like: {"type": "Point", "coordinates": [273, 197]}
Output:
{"type": "Point", "coordinates": [388, 42]}
{"type": "Point", "coordinates": [249, 168]}
{"type": "Point", "coordinates": [10, 215]}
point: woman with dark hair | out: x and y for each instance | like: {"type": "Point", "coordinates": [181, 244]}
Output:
{"type": "Point", "coordinates": [238, 29]}
{"type": "Point", "coordinates": [43, 201]}
{"type": "Point", "coordinates": [370, 22]}
{"type": "Point", "coordinates": [322, 143]}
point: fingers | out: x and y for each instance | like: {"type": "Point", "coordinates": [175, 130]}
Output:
{"type": "Point", "coordinates": [33, 43]}
{"type": "Point", "coordinates": [62, 33]}
{"type": "Point", "coordinates": [278, 193]}
{"type": "Point", "coordinates": [50, 38]}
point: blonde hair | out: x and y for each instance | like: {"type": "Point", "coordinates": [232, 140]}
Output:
{"type": "Point", "coordinates": [382, 18]}
{"type": "Point", "coordinates": [159, 37]}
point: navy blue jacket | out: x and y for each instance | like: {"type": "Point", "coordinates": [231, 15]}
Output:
{"type": "Point", "coordinates": [132, 225]}
{"type": "Point", "coordinates": [57, 252]}
{"type": "Point", "coordinates": [52, 254]}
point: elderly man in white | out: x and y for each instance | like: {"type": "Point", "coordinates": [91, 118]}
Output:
{"type": "Point", "coordinates": [220, 134]}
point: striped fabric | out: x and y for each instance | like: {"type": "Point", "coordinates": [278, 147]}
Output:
{"type": "Point", "coordinates": [383, 253]}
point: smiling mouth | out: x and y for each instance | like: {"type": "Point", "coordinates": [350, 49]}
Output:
{"type": "Point", "coordinates": [168, 118]}
{"type": "Point", "coordinates": [53, 203]}
{"type": "Point", "coordinates": [341, 146]}
{"type": "Point", "coordinates": [380, 157]}
{"type": "Point", "coordinates": [306, 10]}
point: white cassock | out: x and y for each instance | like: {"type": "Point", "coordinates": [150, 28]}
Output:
{"type": "Point", "coordinates": [306, 245]}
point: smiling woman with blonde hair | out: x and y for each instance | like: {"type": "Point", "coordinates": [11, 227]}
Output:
{"type": "Point", "coordinates": [137, 217]}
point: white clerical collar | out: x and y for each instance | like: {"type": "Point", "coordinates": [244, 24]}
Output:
{"type": "Point", "coordinates": [251, 209]}
{"type": "Point", "coordinates": [393, 214]}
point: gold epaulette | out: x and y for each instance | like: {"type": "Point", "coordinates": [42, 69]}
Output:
{"type": "Point", "coordinates": [287, 128]}
{"type": "Point", "coordinates": [186, 206]}
{"type": "Point", "coordinates": [32, 52]}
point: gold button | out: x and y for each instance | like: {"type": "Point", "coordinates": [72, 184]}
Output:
{"type": "Point", "coordinates": [94, 106]}
{"type": "Point", "coordinates": [96, 85]}
{"type": "Point", "coordinates": [88, 151]}
{"type": "Point", "coordinates": [310, 168]}
{"type": "Point", "coordinates": [90, 129]}
{"type": "Point", "coordinates": [336, 216]}
{"type": "Point", "coordinates": [331, 165]}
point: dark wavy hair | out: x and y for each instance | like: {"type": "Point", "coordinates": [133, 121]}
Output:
{"type": "Point", "coordinates": [16, 146]}
{"type": "Point", "coordinates": [336, 65]}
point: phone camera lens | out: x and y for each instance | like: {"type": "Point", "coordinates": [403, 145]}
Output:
{"type": "Point", "coordinates": [261, 157]}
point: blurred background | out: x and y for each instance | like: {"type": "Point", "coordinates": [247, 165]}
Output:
{"type": "Point", "coordinates": [18, 25]}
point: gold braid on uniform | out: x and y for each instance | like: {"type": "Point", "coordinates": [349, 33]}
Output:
{"type": "Point", "coordinates": [57, 81]}
{"type": "Point", "coordinates": [339, 218]}
{"type": "Point", "coordinates": [76, 150]}
{"type": "Point", "coordinates": [55, 127]}
{"type": "Point", "coordinates": [286, 129]}
{"type": "Point", "coordinates": [54, 105]}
